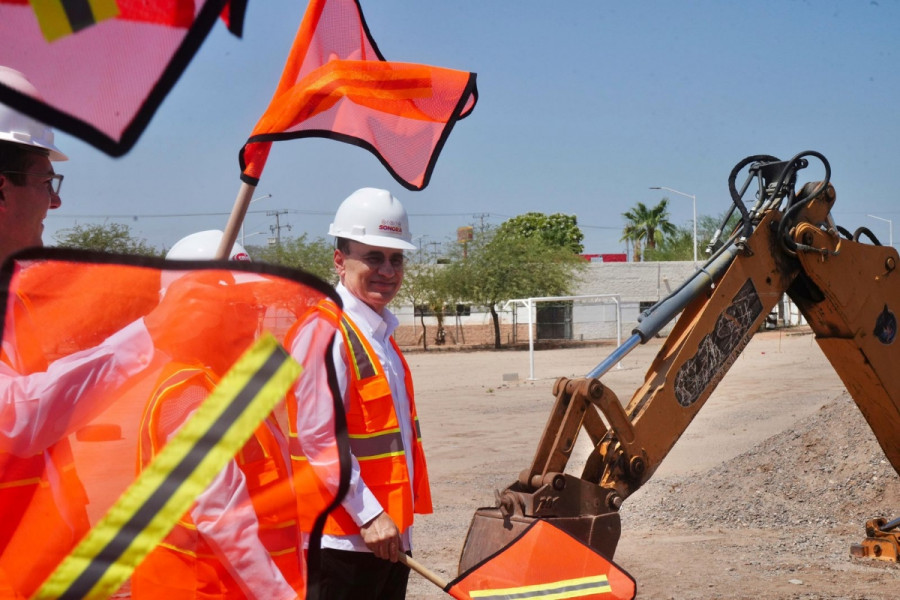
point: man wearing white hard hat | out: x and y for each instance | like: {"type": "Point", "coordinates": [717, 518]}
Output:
{"type": "Point", "coordinates": [39, 408]}
{"type": "Point", "coordinates": [203, 246]}
{"type": "Point", "coordinates": [29, 186]}
{"type": "Point", "coordinates": [364, 537]}
{"type": "Point", "coordinates": [45, 399]}
{"type": "Point", "coordinates": [239, 539]}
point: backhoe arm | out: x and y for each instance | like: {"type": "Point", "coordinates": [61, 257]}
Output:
{"type": "Point", "coordinates": [846, 290]}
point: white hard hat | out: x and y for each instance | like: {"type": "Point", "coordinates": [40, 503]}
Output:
{"type": "Point", "coordinates": [20, 129]}
{"type": "Point", "coordinates": [374, 217]}
{"type": "Point", "coordinates": [203, 245]}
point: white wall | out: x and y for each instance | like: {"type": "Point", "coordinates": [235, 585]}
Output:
{"type": "Point", "coordinates": [632, 282]}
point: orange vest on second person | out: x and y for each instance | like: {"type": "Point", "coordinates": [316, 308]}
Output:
{"type": "Point", "coordinates": [184, 566]}
{"type": "Point", "coordinates": [374, 439]}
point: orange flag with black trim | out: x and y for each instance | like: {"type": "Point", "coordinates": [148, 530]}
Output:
{"type": "Point", "coordinates": [336, 84]}
{"type": "Point", "coordinates": [544, 563]}
{"type": "Point", "coordinates": [103, 67]}
{"type": "Point", "coordinates": [143, 434]}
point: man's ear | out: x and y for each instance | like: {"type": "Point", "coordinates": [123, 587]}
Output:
{"type": "Point", "coordinates": [339, 262]}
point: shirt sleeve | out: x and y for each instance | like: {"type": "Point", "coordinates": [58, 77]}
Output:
{"type": "Point", "coordinates": [315, 416]}
{"type": "Point", "coordinates": [38, 409]}
{"type": "Point", "coordinates": [225, 516]}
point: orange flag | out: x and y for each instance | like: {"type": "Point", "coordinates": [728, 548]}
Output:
{"type": "Point", "coordinates": [103, 67]}
{"type": "Point", "coordinates": [544, 563]}
{"type": "Point", "coordinates": [137, 440]}
{"type": "Point", "coordinates": [336, 84]}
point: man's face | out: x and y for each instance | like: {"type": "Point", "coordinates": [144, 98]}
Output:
{"type": "Point", "coordinates": [371, 273]}
{"type": "Point", "coordinates": [23, 208]}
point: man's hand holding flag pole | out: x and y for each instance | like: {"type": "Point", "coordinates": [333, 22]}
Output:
{"type": "Point", "coordinates": [336, 84]}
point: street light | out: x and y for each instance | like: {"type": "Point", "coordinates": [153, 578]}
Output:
{"type": "Point", "coordinates": [890, 229]}
{"type": "Point", "coordinates": [694, 201]}
{"type": "Point", "coordinates": [242, 222]}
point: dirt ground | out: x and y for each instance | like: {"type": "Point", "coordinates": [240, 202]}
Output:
{"type": "Point", "coordinates": [761, 498]}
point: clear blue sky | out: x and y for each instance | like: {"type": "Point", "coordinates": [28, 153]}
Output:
{"type": "Point", "coordinates": [582, 107]}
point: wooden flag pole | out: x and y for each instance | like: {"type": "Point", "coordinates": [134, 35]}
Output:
{"type": "Point", "coordinates": [241, 203]}
{"type": "Point", "coordinates": [422, 570]}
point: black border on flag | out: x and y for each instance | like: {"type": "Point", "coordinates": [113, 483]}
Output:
{"type": "Point", "coordinates": [181, 58]}
{"type": "Point", "coordinates": [93, 257]}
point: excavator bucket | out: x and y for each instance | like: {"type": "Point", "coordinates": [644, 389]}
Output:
{"type": "Point", "coordinates": [545, 492]}
{"type": "Point", "coordinates": [544, 562]}
{"type": "Point", "coordinates": [491, 531]}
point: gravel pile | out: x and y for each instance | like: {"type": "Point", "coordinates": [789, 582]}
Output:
{"type": "Point", "coordinates": [828, 473]}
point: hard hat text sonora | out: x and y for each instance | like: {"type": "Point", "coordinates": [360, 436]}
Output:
{"type": "Point", "coordinates": [393, 226]}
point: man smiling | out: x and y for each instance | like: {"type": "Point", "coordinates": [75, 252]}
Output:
{"type": "Point", "coordinates": [29, 187]}
{"type": "Point", "coordinates": [389, 482]}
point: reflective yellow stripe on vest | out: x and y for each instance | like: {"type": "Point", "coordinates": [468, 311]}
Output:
{"type": "Point", "coordinates": [365, 366]}
{"type": "Point", "coordinates": [377, 445]}
{"type": "Point", "coordinates": [163, 492]}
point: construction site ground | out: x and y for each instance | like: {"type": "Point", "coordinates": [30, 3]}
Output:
{"type": "Point", "coordinates": [760, 499]}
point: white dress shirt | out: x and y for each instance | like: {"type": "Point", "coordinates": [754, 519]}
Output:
{"type": "Point", "coordinates": [360, 503]}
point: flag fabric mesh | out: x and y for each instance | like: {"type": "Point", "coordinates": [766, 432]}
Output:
{"type": "Point", "coordinates": [337, 85]}
{"type": "Point", "coordinates": [106, 361]}
{"type": "Point", "coordinates": [102, 74]}
{"type": "Point", "coordinates": [544, 563]}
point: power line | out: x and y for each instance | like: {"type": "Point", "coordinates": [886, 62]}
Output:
{"type": "Point", "coordinates": [294, 211]}
{"type": "Point", "coordinates": [277, 227]}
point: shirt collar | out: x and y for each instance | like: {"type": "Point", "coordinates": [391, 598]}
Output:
{"type": "Point", "coordinates": [377, 325]}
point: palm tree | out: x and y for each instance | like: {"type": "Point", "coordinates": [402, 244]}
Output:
{"type": "Point", "coordinates": [647, 225]}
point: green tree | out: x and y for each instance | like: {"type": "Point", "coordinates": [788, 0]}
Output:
{"type": "Point", "coordinates": [557, 230]}
{"type": "Point", "coordinates": [678, 245]}
{"type": "Point", "coordinates": [106, 237]}
{"type": "Point", "coordinates": [497, 268]}
{"type": "Point", "coordinates": [425, 286]}
{"type": "Point", "coordinates": [647, 226]}
{"type": "Point", "coordinates": [313, 256]}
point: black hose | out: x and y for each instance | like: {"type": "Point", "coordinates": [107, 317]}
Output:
{"type": "Point", "coordinates": [860, 231]}
{"type": "Point", "coordinates": [797, 204]}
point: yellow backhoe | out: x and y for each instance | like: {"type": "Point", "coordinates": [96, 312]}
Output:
{"type": "Point", "coordinates": [845, 284]}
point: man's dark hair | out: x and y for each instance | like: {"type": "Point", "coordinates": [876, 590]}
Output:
{"type": "Point", "coordinates": [14, 157]}
{"type": "Point", "coordinates": [342, 244]}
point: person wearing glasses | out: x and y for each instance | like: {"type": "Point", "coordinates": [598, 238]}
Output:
{"type": "Point", "coordinates": [365, 536]}
{"type": "Point", "coordinates": [29, 187]}
{"type": "Point", "coordinates": [44, 399]}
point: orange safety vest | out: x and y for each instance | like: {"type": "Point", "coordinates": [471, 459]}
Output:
{"type": "Point", "coordinates": [184, 565]}
{"type": "Point", "coordinates": [36, 532]}
{"type": "Point", "coordinates": [375, 440]}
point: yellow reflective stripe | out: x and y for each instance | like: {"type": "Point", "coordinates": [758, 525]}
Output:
{"type": "Point", "coordinates": [52, 18]}
{"type": "Point", "coordinates": [59, 18]}
{"type": "Point", "coordinates": [184, 551]}
{"type": "Point", "coordinates": [362, 436]}
{"type": "Point", "coordinates": [283, 552]}
{"type": "Point", "coordinates": [24, 482]}
{"type": "Point", "coordinates": [366, 446]}
{"type": "Point", "coordinates": [376, 456]}
{"type": "Point", "coordinates": [357, 350]}
{"type": "Point", "coordinates": [155, 501]}
{"type": "Point", "coordinates": [556, 590]}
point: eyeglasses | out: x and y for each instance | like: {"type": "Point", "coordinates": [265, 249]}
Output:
{"type": "Point", "coordinates": [374, 260]}
{"type": "Point", "coordinates": [54, 180]}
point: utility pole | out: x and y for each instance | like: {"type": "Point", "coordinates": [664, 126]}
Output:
{"type": "Point", "coordinates": [481, 217]}
{"type": "Point", "coordinates": [276, 228]}
{"type": "Point", "coordinates": [434, 252]}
